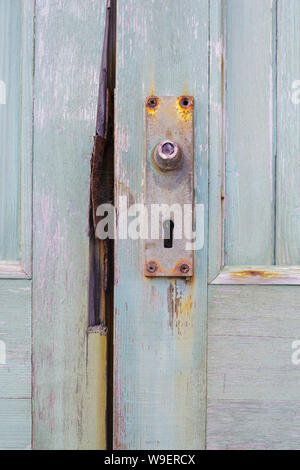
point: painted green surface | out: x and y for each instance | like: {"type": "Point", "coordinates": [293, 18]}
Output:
{"type": "Point", "coordinates": [16, 66]}
{"type": "Point", "coordinates": [15, 364]}
{"type": "Point", "coordinates": [243, 103]}
{"type": "Point", "coordinates": [216, 143]}
{"type": "Point", "coordinates": [253, 385]}
{"type": "Point", "coordinates": [249, 118]}
{"type": "Point", "coordinates": [69, 37]}
{"type": "Point", "coordinates": [288, 134]}
{"type": "Point", "coordinates": [160, 325]}
{"type": "Point", "coordinates": [15, 331]}
{"type": "Point", "coordinates": [15, 370]}
{"type": "Point", "coordinates": [15, 432]}
{"type": "Point", "coordinates": [10, 127]}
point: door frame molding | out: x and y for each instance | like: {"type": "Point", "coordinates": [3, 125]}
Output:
{"type": "Point", "coordinates": [22, 269]}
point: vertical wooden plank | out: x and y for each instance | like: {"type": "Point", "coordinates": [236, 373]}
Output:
{"type": "Point", "coordinates": [249, 219]}
{"type": "Point", "coordinates": [16, 78]}
{"type": "Point", "coordinates": [216, 139]}
{"type": "Point", "coordinates": [69, 38]}
{"type": "Point", "coordinates": [27, 136]}
{"type": "Point", "coordinates": [288, 158]}
{"type": "Point", "coordinates": [160, 324]}
{"type": "Point", "coordinates": [16, 109]}
{"type": "Point", "coordinates": [11, 19]}
{"type": "Point", "coordinates": [94, 413]}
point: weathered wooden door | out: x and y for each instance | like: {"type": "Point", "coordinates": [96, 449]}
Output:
{"type": "Point", "coordinates": [209, 362]}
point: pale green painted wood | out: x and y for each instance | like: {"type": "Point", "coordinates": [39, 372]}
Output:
{"type": "Point", "coordinates": [288, 159]}
{"type": "Point", "coordinates": [253, 386]}
{"type": "Point", "coordinates": [160, 325]}
{"type": "Point", "coordinates": [216, 139]}
{"type": "Point", "coordinates": [253, 425]}
{"type": "Point", "coordinates": [69, 38]}
{"type": "Point", "coordinates": [10, 127]}
{"type": "Point", "coordinates": [15, 428]}
{"type": "Point", "coordinates": [27, 136]}
{"type": "Point", "coordinates": [15, 332]}
{"type": "Point", "coordinates": [249, 148]}
{"type": "Point", "coordinates": [259, 275]}
{"type": "Point", "coordinates": [16, 71]}
{"type": "Point", "coordinates": [15, 373]}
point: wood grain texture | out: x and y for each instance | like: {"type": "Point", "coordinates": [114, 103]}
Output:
{"type": "Point", "coordinates": [253, 384]}
{"type": "Point", "coordinates": [27, 136]}
{"type": "Point", "coordinates": [10, 127]}
{"type": "Point", "coordinates": [12, 270]}
{"type": "Point", "coordinates": [69, 38]}
{"type": "Point", "coordinates": [15, 332]}
{"type": "Point", "coordinates": [160, 324]}
{"type": "Point", "coordinates": [253, 425]}
{"type": "Point", "coordinates": [216, 139]}
{"type": "Point", "coordinates": [16, 72]}
{"type": "Point", "coordinates": [288, 134]}
{"type": "Point", "coordinates": [94, 413]}
{"type": "Point", "coordinates": [15, 429]}
{"type": "Point", "coordinates": [259, 275]}
{"type": "Point", "coordinates": [249, 148]}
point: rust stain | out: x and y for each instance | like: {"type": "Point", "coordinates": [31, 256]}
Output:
{"type": "Point", "coordinates": [177, 269]}
{"type": "Point", "coordinates": [158, 270]}
{"type": "Point", "coordinates": [173, 303]}
{"type": "Point", "coordinates": [250, 273]}
{"type": "Point", "coordinates": [180, 308]}
{"type": "Point", "coordinates": [152, 104]}
{"type": "Point", "coordinates": [185, 106]}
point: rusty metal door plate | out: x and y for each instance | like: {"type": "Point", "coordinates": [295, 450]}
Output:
{"type": "Point", "coordinates": [169, 182]}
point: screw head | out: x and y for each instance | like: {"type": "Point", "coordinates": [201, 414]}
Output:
{"type": "Point", "coordinates": [152, 102]}
{"type": "Point", "coordinates": [168, 149]}
{"type": "Point", "coordinates": [151, 267]}
{"type": "Point", "coordinates": [185, 102]}
{"type": "Point", "coordinates": [184, 268]}
{"type": "Point", "coordinates": [167, 155]}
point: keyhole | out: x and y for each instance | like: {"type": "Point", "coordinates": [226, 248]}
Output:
{"type": "Point", "coordinates": [168, 233]}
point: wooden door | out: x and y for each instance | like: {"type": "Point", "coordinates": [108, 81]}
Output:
{"type": "Point", "coordinates": [209, 362]}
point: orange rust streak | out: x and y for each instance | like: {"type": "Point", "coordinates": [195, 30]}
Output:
{"type": "Point", "coordinates": [185, 113]}
{"type": "Point", "coordinates": [249, 273]}
{"type": "Point", "coordinates": [177, 265]}
{"type": "Point", "coordinates": [151, 110]}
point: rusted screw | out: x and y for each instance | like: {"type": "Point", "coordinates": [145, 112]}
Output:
{"type": "Point", "coordinates": [152, 102]}
{"type": "Point", "coordinates": [184, 268]}
{"type": "Point", "coordinates": [167, 155]}
{"type": "Point", "coordinates": [185, 102]}
{"type": "Point", "coordinates": [151, 267]}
